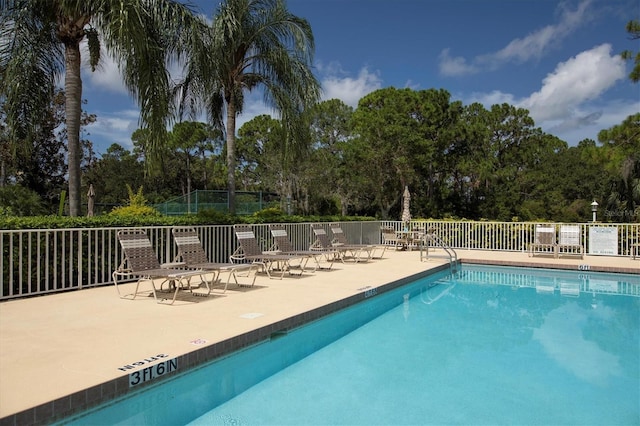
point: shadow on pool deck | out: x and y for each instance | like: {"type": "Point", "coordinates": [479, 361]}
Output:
{"type": "Point", "coordinates": [62, 353]}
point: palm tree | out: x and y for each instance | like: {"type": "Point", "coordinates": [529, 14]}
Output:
{"type": "Point", "coordinates": [253, 43]}
{"type": "Point", "coordinates": [40, 41]}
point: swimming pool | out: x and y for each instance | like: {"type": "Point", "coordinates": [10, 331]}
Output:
{"type": "Point", "coordinates": [485, 345]}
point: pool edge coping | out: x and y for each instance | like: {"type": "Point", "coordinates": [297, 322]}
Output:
{"type": "Point", "coordinates": [539, 265]}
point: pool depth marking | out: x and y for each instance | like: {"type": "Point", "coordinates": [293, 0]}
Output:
{"type": "Point", "coordinates": [142, 362]}
{"type": "Point", "coordinates": [153, 372]}
{"type": "Point", "coordinates": [368, 291]}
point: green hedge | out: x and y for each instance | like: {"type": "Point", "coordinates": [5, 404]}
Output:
{"type": "Point", "coordinates": [207, 217]}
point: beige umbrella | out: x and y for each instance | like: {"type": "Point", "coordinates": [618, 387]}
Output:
{"type": "Point", "coordinates": [406, 212]}
{"type": "Point", "coordinates": [91, 196]}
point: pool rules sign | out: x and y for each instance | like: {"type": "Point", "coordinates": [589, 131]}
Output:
{"type": "Point", "coordinates": [603, 240]}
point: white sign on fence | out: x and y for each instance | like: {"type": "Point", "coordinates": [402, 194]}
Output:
{"type": "Point", "coordinates": [603, 240]}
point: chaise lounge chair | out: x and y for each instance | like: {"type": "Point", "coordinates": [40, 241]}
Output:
{"type": "Point", "coordinates": [141, 260]}
{"type": "Point", "coordinates": [545, 240]}
{"type": "Point", "coordinates": [569, 243]}
{"type": "Point", "coordinates": [249, 250]}
{"type": "Point", "coordinates": [361, 250]}
{"type": "Point", "coordinates": [283, 245]}
{"type": "Point", "coordinates": [390, 238]}
{"type": "Point", "coordinates": [323, 243]}
{"type": "Point", "coordinates": [192, 254]}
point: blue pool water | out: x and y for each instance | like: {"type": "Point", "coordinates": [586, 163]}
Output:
{"type": "Point", "coordinates": [485, 345]}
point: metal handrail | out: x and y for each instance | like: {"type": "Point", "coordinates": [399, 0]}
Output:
{"type": "Point", "coordinates": [430, 236]}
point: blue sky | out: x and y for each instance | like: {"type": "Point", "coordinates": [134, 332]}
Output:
{"type": "Point", "coordinates": [558, 59]}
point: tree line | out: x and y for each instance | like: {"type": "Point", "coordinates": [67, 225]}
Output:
{"type": "Point", "coordinates": [459, 161]}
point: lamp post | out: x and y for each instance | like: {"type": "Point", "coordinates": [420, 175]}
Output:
{"type": "Point", "coordinates": [594, 209]}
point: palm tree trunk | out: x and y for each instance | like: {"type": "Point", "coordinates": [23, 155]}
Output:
{"type": "Point", "coordinates": [231, 156]}
{"type": "Point", "coordinates": [188, 184]}
{"type": "Point", "coordinates": [204, 172]}
{"type": "Point", "coordinates": [3, 173]}
{"type": "Point", "coordinates": [344, 207]}
{"type": "Point", "coordinates": [73, 109]}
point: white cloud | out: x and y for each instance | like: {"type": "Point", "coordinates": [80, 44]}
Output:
{"type": "Point", "coordinates": [590, 120]}
{"type": "Point", "coordinates": [519, 50]}
{"type": "Point", "coordinates": [580, 79]}
{"type": "Point", "coordinates": [576, 122]}
{"type": "Point", "coordinates": [115, 127]}
{"type": "Point", "coordinates": [492, 98]}
{"type": "Point", "coordinates": [569, 103]}
{"type": "Point", "coordinates": [537, 43]}
{"type": "Point", "coordinates": [561, 336]}
{"type": "Point", "coordinates": [106, 76]}
{"type": "Point", "coordinates": [350, 90]}
{"type": "Point", "coordinates": [410, 84]}
{"type": "Point", "coordinates": [452, 66]}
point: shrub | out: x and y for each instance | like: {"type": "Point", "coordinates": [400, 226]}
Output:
{"type": "Point", "coordinates": [146, 211]}
{"type": "Point", "coordinates": [137, 206]}
{"type": "Point", "coordinates": [215, 217]}
{"type": "Point", "coordinates": [270, 214]}
{"type": "Point", "coordinates": [20, 201]}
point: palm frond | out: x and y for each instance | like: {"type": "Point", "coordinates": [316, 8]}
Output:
{"type": "Point", "coordinates": [31, 59]}
{"type": "Point", "coordinates": [146, 36]}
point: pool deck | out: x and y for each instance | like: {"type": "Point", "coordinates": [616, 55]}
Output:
{"type": "Point", "coordinates": [64, 352]}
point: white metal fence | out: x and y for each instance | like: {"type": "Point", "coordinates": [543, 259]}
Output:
{"type": "Point", "coordinates": [37, 262]}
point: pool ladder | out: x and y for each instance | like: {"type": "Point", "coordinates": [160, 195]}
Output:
{"type": "Point", "coordinates": [438, 242]}
{"type": "Point", "coordinates": [444, 286]}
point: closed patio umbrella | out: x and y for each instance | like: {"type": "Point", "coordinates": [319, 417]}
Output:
{"type": "Point", "coordinates": [91, 195]}
{"type": "Point", "coordinates": [406, 212]}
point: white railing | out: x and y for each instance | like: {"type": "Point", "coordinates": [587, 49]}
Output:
{"type": "Point", "coordinates": [516, 236]}
{"type": "Point", "coordinates": [37, 262]}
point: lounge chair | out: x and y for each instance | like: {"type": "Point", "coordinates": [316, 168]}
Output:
{"type": "Point", "coordinates": [569, 243]}
{"type": "Point", "coordinates": [250, 251]}
{"type": "Point", "coordinates": [283, 245]}
{"type": "Point", "coordinates": [360, 250]}
{"type": "Point", "coordinates": [390, 238]}
{"type": "Point", "coordinates": [191, 252]}
{"type": "Point", "coordinates": [323, 243]}
{"type": "Point", "coordinates": [141, 260]}
{"type": "Point", "coordinates": [545, 241]}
